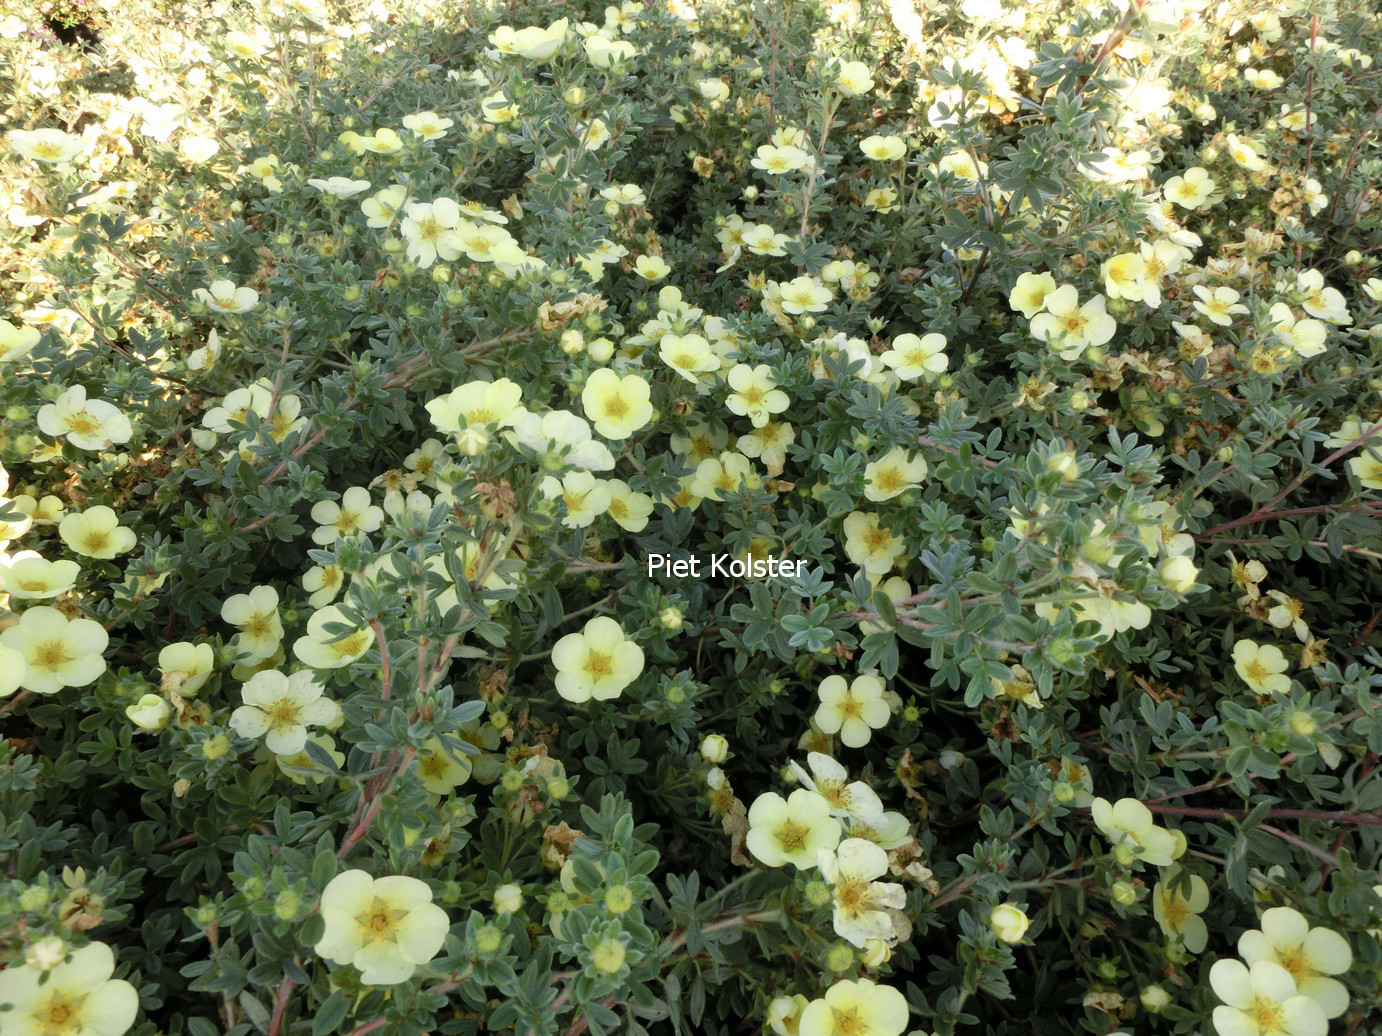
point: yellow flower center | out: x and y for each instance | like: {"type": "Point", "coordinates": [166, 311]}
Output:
{"type": "Point", "coordinates": [1268, 1015]}
{"type": "Point", "coordinates": [889, 480]}
{"type": "Point", "coordinates": [616, 406]}
{"type": "Point", "coordinates": [283, 713]}
{"type": "Point", "coordinates": [1255, 672]}
{"type": "Point", "coordinates": [353, 644]}
{"type": "Point", "coordinates": [876, 539]}
{"type": "Point", "coordinates": [59, 1016]}
{"type": "Point", "coordinates": [849, 1023]}
{"type": "Point", "coordinates": [598, 664]}
{"type": "Point", "coordinates": [791, 836]}
{"type": "Point", "coordinates": [51, 655]}
{"type": "Point", "coordinates": [852, 894]}
{"type": "Point", "coordinates": [1176, 911]}
{"type": "Point", "coordinates": [96, 541]}
{"type": "Point", "coordinates": [380, 921]}
{"type": "Point", "coordinates": [82, 423]}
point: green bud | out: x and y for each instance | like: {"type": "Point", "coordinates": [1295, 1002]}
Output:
{"type": "Point", "coordinates": [840, 958]}
{"type": "Point", "coordinates": [286, 905]}
{"type": "Point", "coordinates": [618, 899]}
{"type": "Point", "coordinates": [488, 939]}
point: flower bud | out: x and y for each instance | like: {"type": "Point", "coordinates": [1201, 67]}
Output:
{"type": "Point", "coordinates": [876, 953]}
{"type": "Point", "coordinates": [600, 350]}
{"type": "Point", "coordinates": [1008, 922]}
{"type": "Point", "coordinates": [618, 899]}
{"type": "Point", "coordinates": [215, 747]}
{"type": "Point", "coordinates": [1065, 463]}
{"type": "Point", "coordinates": [46, 954]}
{"type": "Point", "coordinates": [488, 939]}
{"type": "Point", "coordinates": [287, 904]}
{"type": "Point", "coordinates": [714, 749]}
{"type": "Point", "coordinates": [671, 618]}
{"type": "Point", "coordinates": [472, 441]}
{"type": "Point", "coordinates": [508, 899]}
{"type": "Point", "coordinates": [840, 958]}
{"type": "Point", "coordinates": [558, 788]}
{"type": "Point", "coordinates": [609, 956]}
{"type": "Point", "coordinates": [1303, 723]}
{"type": "Point", "coordinates": [818, 893]}
{"type": "Point", "coordinates": [1178, 574]}
{"type": "Point", "coordinates": [34, 898]}
{"type": "Point", "coordinates": [150, 713]}
{"type": "Point", "coordinates": [1124, 893]}
{"type": "Point", "coordinates": [1154, 998]}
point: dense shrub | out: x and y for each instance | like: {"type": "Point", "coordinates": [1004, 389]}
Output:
{"type": "Point", "coordinates": [372, 374]}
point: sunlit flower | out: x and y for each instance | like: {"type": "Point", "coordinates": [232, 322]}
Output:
{"type": "Point", "coordinates": [58, 652]}
{"type": "Point", "coordinates": [1191, 189]}
{"type": "Point", "coordinates": [223, 295]}
{"type": "Point", "coordinates": [88, 424]}
{"type": "Point", "coordinates": [46, 145]}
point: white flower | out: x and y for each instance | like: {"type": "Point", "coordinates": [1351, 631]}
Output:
{"type": "Point", "coordinates": [386, 928]}
{"type": "Point", "coordinates": [340, 186]}
{"type": "Point", "coordinates": [15, 342]}
{"type": "Point", "coordinates": [280, 708]}
{"type": "Point", "coordinates": [1262, 1000]}
{"type": "Point", "coordinates": [1069, 328]}
{"type": "Point", "coordinates": [78, 998]}
{"type": "Point", "coordinates": [428, 125]}
{"type": "Point", "coordinates": [854, 711]}
{"type": "Point", "coordinates": [381, 208]}
{"type": "Point", "coordinates": [197, 149]}
{"type": "Point", "coordinates": [88, 424]}
{"type": "Point", "coordinates": [861, 903]}
{"type": "Point", "coordinates": [830, 780]}
{"type": "Point", "coordinates": [51, 146]}
{"type": "Point", "coordinates": [792, 830]}
{"type": "Point", "coordinates": [1311, 955]}
{"type": "Point", "coordinates": [913, 357]}
{"type": "Point", "coordinates": [255, 614]}
{"type": "Point", "coordinates": [1218, 304]}
{"type": "Point", "coordinates": [585, 497]}
{"type": "Point", "coordinates": [1128, 824]}
{"type": "Point", "coordinates": [226, 297]}
{"type": "Point", "coordinates": [323, 649]}
{"type": "Point", "coordinates": [560, 439]}
{"type": "Point", "coordinates": [58, 652]}
{"type": "Point", "coordinates": [355, 514]}
{"type": "Point", "coordinates": [892, 474]}
{"type": "Point", "coordinates": [599, 662]}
